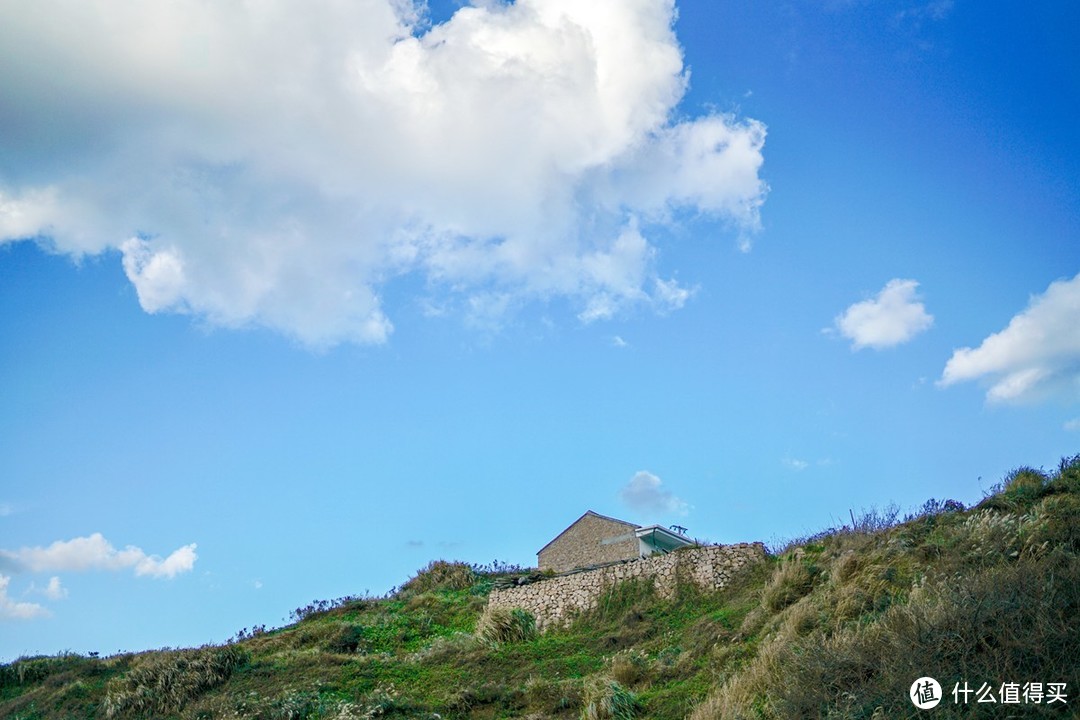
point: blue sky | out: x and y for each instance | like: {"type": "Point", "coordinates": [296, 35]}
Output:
{"type": "Point", "coordinates": [294, 301]}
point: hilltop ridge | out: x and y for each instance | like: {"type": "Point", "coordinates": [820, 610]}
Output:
{"type": "Point", "coordinates": [836, 625]}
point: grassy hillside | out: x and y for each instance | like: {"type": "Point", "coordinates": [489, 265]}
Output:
{"type": "Point", "coordinates": [837, 625]}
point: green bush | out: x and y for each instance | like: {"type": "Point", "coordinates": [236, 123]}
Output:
{"type": "Point", "coordinates": [440, 575]}
{"type": "Point", "coordinates": [346, 639]}
{"type": "Point", "coordinates": [1025, 483]}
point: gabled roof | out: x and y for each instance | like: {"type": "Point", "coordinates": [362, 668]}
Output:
{"type": "Point", "coordinates": [587, 513]}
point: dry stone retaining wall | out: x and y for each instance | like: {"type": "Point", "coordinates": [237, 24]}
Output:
{"type": "Point", "coordinates": [554, 601]}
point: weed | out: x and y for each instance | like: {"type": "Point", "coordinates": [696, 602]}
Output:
{"type": "Point", "coordinates": [792, 580]}
{"type": "Point", "coordinates": [321, 607]}
{"type": "Point", "coordinates": [347, 638]}
{"type": "Point", "coordinates": [506, 625]}
{"type": "Point", "coordinates": [165, 682]}
{"type": "Point", "coordinates": [606, 699]}
{"type": "Point", "coordinates": [630, 667]}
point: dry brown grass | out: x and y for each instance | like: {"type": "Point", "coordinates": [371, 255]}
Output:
{"type": "Point", "coordinates": [606, 699]}
{"type": "Point", "coordinates": [995, 598]}
{"type": "Point", "coordinates": [792, 580]}
{"type": "Point", "coordinates": [630, 668]}
{"type": "Point", "coordinates": [163, 683]}
{"type": "Point", "coordinates": [506, 625]}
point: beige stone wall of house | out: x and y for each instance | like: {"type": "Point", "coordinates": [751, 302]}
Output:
{"type": "Point", "coordinates": [592, 540]}
{"type": "Point", "coordinates": [555, 601]}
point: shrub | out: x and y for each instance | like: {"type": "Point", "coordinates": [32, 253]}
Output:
{"type": "Point", "coordinates": [1067, 477]}
{"type": "Point", "coordinates": [1019, 618]}
{"type": "Point", "coordinates": [545, 695]}
{"type": "Point", "coordinates": [165, 682]}
{"type": "Point", "coordinates": [29, 670]}
{"type": "Point", "coordinates": [505, 625]}
{"type": "Point", "coordinates": [346, 639]}
{"type": "Point", "coordinates": [498, 567]}
{"type": "Point", "coordinates": [1025, 483]}
{"type": "Point", "coordinates": [629, 667]}
{"type": "Point", "coordinates": [933, 507]}
{"type": "Point", "coordinates": [875, 520]}
{"type": "Point", "coordinates": [791, 581]}
{"type": "Point", "coordinates": [1061, 524]}
{"type": "Point", "coordinates": [458, 647]}
{"type": "Point", "coordinates": [319, 607]}
{"type": "Point", "coordinates": [439, 575]}
{"type": "Point", "coordinates": [606, 699]}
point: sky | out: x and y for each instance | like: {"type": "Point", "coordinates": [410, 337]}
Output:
{"type": "Point", "coordinates": [298, 297]}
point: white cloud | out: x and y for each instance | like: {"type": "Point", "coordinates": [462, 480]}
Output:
{"type": "Point", "coordinates": [1073, 425]}
{"type": "Point", "coordinates": [795, 464]}
{"type": "Point", "coordinates": [11, 610]}
{"type": "Point", "coordinates": [96, 553]}
{"type": "Point", "coordinates": [6, 509]}
{"type": "Point", "coordinates": [669, 295]}
{"type": "Point", "coordinates": [933, 11]}
{"type": "Point", "coordinates": [281, 164]}
{"type": "Point", "coordinates": [54, 590]}
{"type": "Point", "coordinates": [643, 492]}
{"type": "Point", "coordinates": [892, 317]}
{"type": "Point", "coordinates": [618, 342]}
{"type": "Point", "coordinates": [1036, 355]}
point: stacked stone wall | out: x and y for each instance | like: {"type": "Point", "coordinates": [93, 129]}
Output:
{"type": "Point", "coordinates": [556, 600]}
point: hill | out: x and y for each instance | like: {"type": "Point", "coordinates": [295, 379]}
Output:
{"type": "Point", "coordinates": [985, 600]}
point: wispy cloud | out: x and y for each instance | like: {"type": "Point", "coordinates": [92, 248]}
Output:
{"type": "Point", "coordinates": [892, 317]}
{"type": "Point", "coordinates": [96, 553]}
{"type": "Point", "coordinates": [618, 342]}
{"type": "Point", "coordinates": [1037, 355]}
{"type": "Point", "coordinates": [12, 610]}
{"type": "Point", "coordinates": [6, 509]}
{"type": "Point", "coordinates": [54, 590]}
{"type": "Point", "coordinates": [644, 493]}
{"type": "Point", "coordinates": [279, 164]}
{"type": "Point", "coordinates": [1073, 425]}
{"type": "Point", "coordinates": [795, 464]}
{"type": "Point", "coordinates": [934, 11]}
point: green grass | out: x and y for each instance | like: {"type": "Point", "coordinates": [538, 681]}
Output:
{"type": "Point", "coordinates": [837, 626]}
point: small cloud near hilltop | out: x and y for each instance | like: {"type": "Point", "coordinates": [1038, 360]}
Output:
{"type": "Point", "coordinates": [795, 464]}
{"type": "Point", "coordinates": [644, 493]}
{"type": "Point", "coordinates": [892, 317]}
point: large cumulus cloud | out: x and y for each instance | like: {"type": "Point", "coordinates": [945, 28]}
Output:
{"type": "Point", "coordinates": [279, 163]}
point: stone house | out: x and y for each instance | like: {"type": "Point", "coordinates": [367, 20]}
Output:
{"type": "Point", "coordinates": [594, 539]}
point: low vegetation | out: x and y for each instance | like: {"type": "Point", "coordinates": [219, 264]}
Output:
{"type": "Point", "coordinates": [837, 625]}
